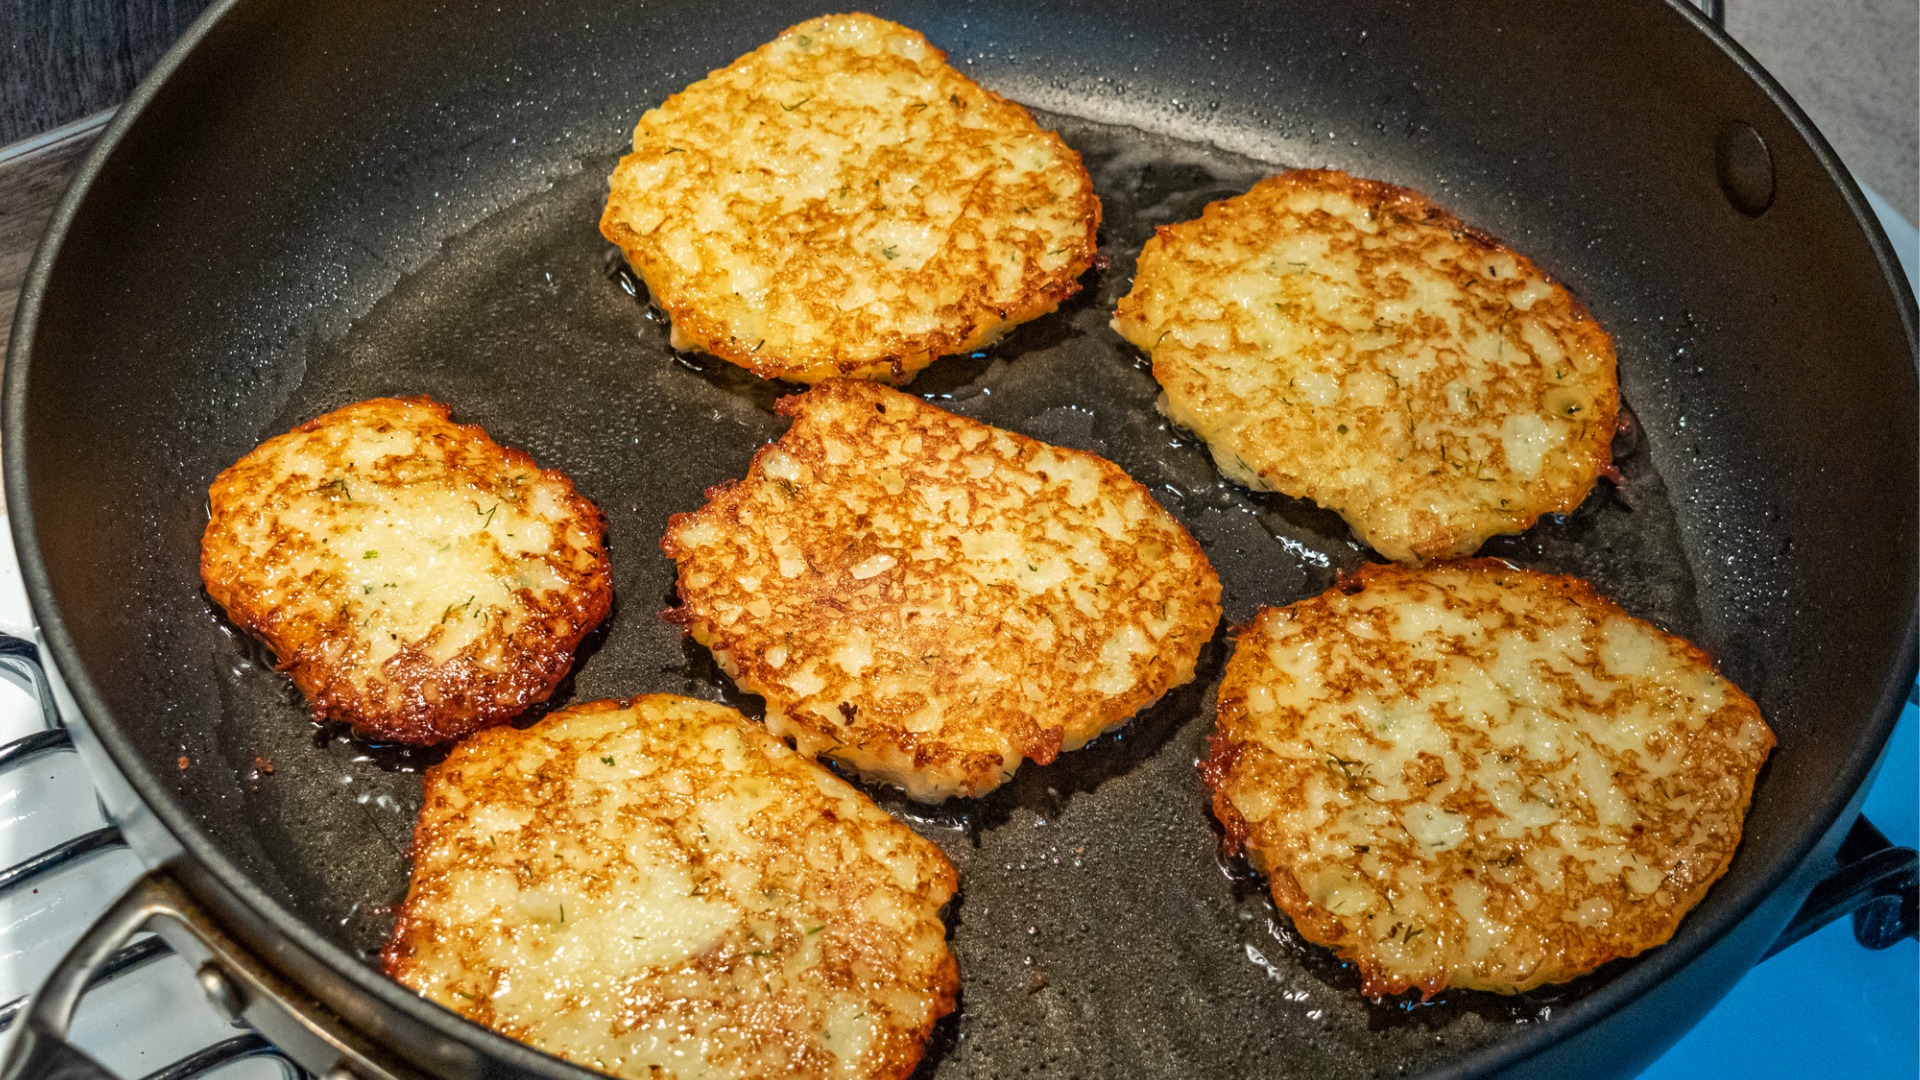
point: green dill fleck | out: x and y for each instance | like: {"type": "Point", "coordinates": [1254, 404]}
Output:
{"type": "Point", "coordinates": [337, 485]}
{"type": "Point", "coordinates": [815, 930]}
{"type": "Point", "coordinates": [761, 952]}
{"type": "Point", "coordinates": [797, 104]}
{"type": "Point", "coordinates": [891, 252]}
{"type": "Point", "coordinates": [1411, 934]}
{"type": "Point", "coordinates": [371, 555]}
{"type": "Point", "coordinates": [1354, 772]}
{"type": "Point", "coordinates": [1342, 429]}
{"type": "Point", "coordinates": [674, 150]}
{"type": "Point", "coordinates": [489, 515]}
{"type": "Point", "coordinates": [607, 760]}
{"type": "Point", "coordinates": [563, 913]}
{"type": "Point", "coordinates": [365, 589]}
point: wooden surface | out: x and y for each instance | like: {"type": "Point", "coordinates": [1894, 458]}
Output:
{"type": "Point", "coordinates": [33, 175]}
{"type": "Point", "coordinates": [61, 60]}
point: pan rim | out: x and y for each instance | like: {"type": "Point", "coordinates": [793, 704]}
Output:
{"type": "Point", "coordinates": [1619, 992]}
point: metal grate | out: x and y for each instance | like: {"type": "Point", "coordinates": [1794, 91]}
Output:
{"type": "Point", "coordinates": [20, 665]}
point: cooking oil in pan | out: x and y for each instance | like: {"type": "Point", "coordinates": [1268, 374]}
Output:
{"type": "Point", "coordinates": [1096, 929]}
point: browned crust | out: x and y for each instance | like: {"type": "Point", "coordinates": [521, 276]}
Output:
{"type": "Point", "coordinates": [414, 700]}
{"type": "Point", "coordinates": [834, 602]}
{"type": "Point", "coordinates": [1432, 535]}
{"type": "Point", "coordinates": [890, 357]}
{"type": "Point", "coordinates": [1581, 951]}
{"type": "Point", "coordinates": [1222, 752]}
{"type": "Point", "coordinates": [444, 797]}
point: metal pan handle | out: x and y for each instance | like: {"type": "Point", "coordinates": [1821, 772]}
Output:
{"type": "Point", "coordinates": [238, 985]}
{"type": "Point", "coordinates": [1875, 882]}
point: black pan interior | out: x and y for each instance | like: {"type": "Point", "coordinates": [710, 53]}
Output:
{"type": "Point", "coordinates": [329, 203]}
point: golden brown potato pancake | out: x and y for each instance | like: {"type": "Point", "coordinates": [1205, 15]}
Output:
{"type": "Point", "coordinates": [929, 600]}
{"type": "Point", "coordinates": [1475, 776]}
{"type": "Point", "coordinates": [417, 580]}
{"type": "Point", "coordinates": [659, 888]}
{"type": "Point", "coordinates": [1349, 342]}
{"type": "Point", "coordinates": [842, 202]}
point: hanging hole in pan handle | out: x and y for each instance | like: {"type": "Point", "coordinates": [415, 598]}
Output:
{"type": "Point", "coordinates": [1873, 881]}
{"type": "Point", "coordinates": [238, 986]}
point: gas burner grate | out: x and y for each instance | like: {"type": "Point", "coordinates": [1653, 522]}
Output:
{"type": "Point", "coordinates": [20, 665]}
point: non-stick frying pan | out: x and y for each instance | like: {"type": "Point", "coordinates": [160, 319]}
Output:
{"type": "Point", "coordinates": [314, 203]}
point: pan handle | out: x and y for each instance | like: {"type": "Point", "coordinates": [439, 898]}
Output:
{"type": "Point", "coordinates": [240, 988]}
{"type": "Point", "coordinates": [1875, 882]}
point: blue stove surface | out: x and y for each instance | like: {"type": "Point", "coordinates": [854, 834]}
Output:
{"type": "Point", "coordinates": [1825, 1007]}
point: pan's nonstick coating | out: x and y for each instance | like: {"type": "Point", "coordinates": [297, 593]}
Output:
{"type": "Point", "coordinates": [376, 199]}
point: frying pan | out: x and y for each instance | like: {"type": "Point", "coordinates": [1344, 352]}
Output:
{"type": "Point", "coordinates": [313, 203]}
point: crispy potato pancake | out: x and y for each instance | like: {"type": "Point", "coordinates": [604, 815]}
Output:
{"type": "Point", "coordinates": [660, 888]}
{"type": "Point", "coordinates": [842, 202]}
{"type": "Point", "coordinates": [929, 600]}
{"type": "Point", "coordinates": [417, 580]}
{"type": "Point", "coordinates": [1474, 776]}
{"type": "Point", "coordinates": [1346, 341]}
